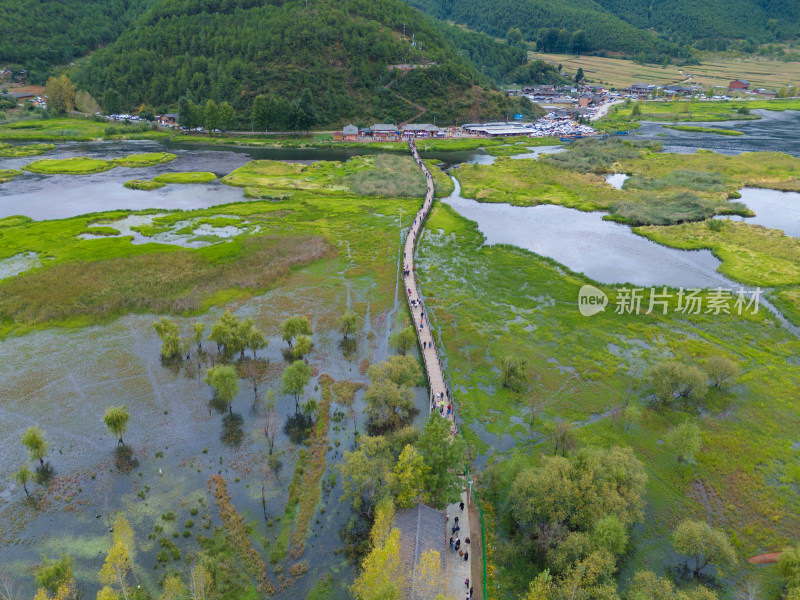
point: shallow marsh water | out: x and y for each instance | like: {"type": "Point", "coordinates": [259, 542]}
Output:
{"type": "Point", "coordinates": [605, 251]}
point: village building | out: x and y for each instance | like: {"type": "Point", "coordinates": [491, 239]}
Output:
{"type": "Point", "coordinates": [385, 131]}
{"type": "Point", "coordinates": [739, 84]}
{"type": "Point", "coordinates": [350, 133]}
{"type": "Point", "coordinates": [421, 130]}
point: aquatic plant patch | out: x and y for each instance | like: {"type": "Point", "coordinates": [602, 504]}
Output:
{"type": "Point", "coordinates": [7, 175]}
{"type": "Point", "coordinates": [147, 159]}
{"type": "Point", "coordinates": [143, 184]}
{"type": "Point", "coordinates": [9, 151]}
{"type": "Point", "coordinates": [187, 177]}
{"type": "Point", "coordinates": [697, 129]}
{"type": "Point", "coordinates": [79, 165]}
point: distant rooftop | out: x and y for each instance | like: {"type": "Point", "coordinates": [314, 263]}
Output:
{"type": "Point", "coordinates": [384, 127]}
{"type": "Point", "coordinates": [422, 528]}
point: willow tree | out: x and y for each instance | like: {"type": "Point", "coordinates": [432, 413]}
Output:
{"type": "Point", "coordinates": [116, 419]}
{"type": "Point", "coordinates": [33, 439]}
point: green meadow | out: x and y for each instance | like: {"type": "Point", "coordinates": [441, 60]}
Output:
{"type": "Point", "coordinates": [623, 117]}
{"type": "Point", "coordinates": [63, 129]}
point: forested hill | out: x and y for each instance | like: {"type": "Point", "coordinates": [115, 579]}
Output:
{"type": "Point", "coordinates": [234, 50]}
{"type": "Point", "coordinates": [596, 27]}
{"type": "Point", "coordinates": [759, 20]}
{"type": "Point", "coordinates": [633, 27]}
{"type": "Point", "coordinates": [38, 34]}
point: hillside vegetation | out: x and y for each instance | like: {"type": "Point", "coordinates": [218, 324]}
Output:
{"type": "Point", "coordinates": [646, 30]}
{"type": "Point", "coordinates": [38, 35]}
{"type": "Point", "coordinates": [235, 50]}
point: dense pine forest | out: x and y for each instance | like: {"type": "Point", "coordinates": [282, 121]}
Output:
{"type": "Point", "coordinates": [647, 29]}
{"type": "Point", "coordinates": [35, 35]}
{"type": "Point", "coordinates": [235, 50]}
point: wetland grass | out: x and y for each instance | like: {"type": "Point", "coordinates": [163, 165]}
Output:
{"type": "Point", "coordinates": [9, 151]}
{"type": "Point", "coordinates": [79, 165]}
{"type": "Point", "coordinates": [147, 159]}
{"type": "Point", "coordinates": [697, 129]}
{"type": "Point", "coordinates": [750, 254]}
{"type": "Point", "coordinates": [143, 184]}
{"type": "Point", "coordinates": [186, 177]}
{"type": "Point", "coordinates": [487, 302]}
{"type": "Point", "coordinates": [7, 175]}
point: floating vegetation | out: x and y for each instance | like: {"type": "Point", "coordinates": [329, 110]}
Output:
{"type": "Point", "coordinates": [143, 184]}
{"type": "Point", "coordinates": [9, 151]}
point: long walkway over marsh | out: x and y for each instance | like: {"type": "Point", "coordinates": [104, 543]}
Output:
{"type": "Point", "coordinates": [430, 353]}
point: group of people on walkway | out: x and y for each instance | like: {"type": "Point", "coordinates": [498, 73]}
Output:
{"type": "Point", "coordinates": [455, 540]}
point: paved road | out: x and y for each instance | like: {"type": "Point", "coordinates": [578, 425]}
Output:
{"type": "Point", "coordinates": [439, 393]}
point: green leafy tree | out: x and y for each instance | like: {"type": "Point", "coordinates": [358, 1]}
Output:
{"type": "Point", "coordinates": [112, 102]}
{"type": "Point", "coordinates": [116, 419]}
{"type": "Point", "coordinates": [302, 346]}
{"type": "Point", "coordinates": [673, 379]}
{"type": "Point", "coordinates": [636, 111]}
{"type": "Point", "coordinates": [579, 76]}
{"type": "Point", "coordinates": [349, 324]}
{"type": "Point", "coordinates": [574, 492]}
{"type": "Point", "coordinates": [514, 37]}
{"type": "Point", "coordinates": [366, 471]}
{"type": "Point", "coordinates": [260, 114]}
{"type": "Point", "coordinates": [22, 477]}
{"type": "Point", "coordinates": [167, 331]}
{"type": "Point", "coordinates": [211, 116]}
{"type": "Point", "coordinates": [611, 534]}
{"type": "Point", "coordinates": [381, 577]}
{"type": "Point", "coordinates": [225, 383]}
{"type": "Point", "coordinates": [255, 340]}
{"type": "Point", "coordinates": [443, 454]}
{"type": "Point", "coordinates": [293, 327]}
{"type": "Point", "coordinates": [226, 116]}
{"type": "Point", "coordinates": [36, 443]}
{"type": "Point", "coordinates": [541, 588]}
{"type": "Point", "coordinates": [306, 114]}
{"type": "Point", "coordinates": [705, 546]}
{"type": "Point", "coordinates": [60, 94]}
{"type": "Point", "coordinates": [789, 566]}
{"type": "Point", "coordinates": [295, 378]}
{"type": "Point", "coordinates": [513, 372]}
{"type": "Point", "coordinates": [684, 440]}
{"type": "Point", "coordinates": [408, 477]}
{"type": "Point", "coordinates": [578, 44]}
{"type": "Point", "coordinates": [402, 341]}
{"type": "Point", "coordinates": [51, 574]}
{"type": "Point", "coordinates": [646, 585]}
{"type": "Point", "coordinates": [390, 396]}
{"type": "Point", "coordinates": [198, 329]}
{"type": "Point", "coordinates": [721, 370]}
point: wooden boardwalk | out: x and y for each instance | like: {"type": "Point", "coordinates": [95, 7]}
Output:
{"type": "Point", "coordinates": [457, 563]}
{"type": "Point", "coordinates": [439, 392]}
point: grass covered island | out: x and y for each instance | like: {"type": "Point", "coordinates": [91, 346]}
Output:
{"type": "Point", "coordinates": [79, 165]}
{"type": "Point", "coordinates": [187, 177]}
